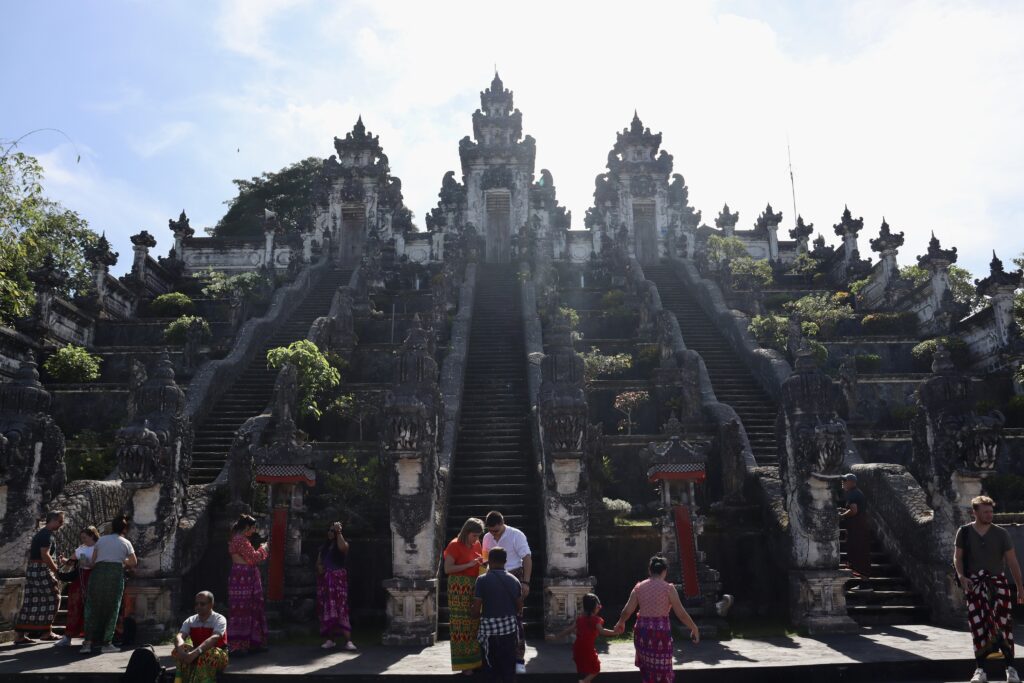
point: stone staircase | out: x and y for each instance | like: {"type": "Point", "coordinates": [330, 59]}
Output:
{"type": "Point", "coordinates": [732, 381]}
{"type": "Point", "coordinates": [885, 598]}
{"type": "Point", "coordinates": [492, 468]}
{"type": "Point", "coordinates": [252, 391]}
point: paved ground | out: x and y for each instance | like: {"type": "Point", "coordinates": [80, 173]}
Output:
{"type": "Point", "coordinates": [891, 653]}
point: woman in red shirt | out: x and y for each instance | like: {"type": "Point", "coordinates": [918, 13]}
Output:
{"type": "Point", "coordinates": [462, 561]}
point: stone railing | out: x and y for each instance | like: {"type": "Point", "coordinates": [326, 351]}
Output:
{"type": "Point", "coordinates": [232, 256]}
{"type": "Point", "coordinates": [453, 372]}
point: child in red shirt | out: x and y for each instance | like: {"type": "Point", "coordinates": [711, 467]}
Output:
{"type": "Point", "coordinates": [587, 628]}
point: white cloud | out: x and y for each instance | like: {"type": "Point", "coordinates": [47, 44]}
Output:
{"type": "Point", "coordinates": [914, 115]}
{"type": "Point", "coordinates": [163, 137]}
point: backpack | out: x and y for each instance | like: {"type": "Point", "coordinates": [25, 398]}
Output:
{"type": "Point", "coordinates": [143, 667]}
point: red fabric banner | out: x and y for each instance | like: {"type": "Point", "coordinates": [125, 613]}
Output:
{"type": "Point", "coordinates": [275, 571]}
{"type": "Point", "coordinates": [687, 551]}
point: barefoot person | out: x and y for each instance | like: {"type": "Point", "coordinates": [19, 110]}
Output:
{"type": "Point", "coordinates": [519, 565]}
{"type": "Point", "coordinates": [462, 560]}
{"type": "Point", "coordinates": [245, 589]}
{"type": "Point", "coordinates": [587, 628]}
{"type": "Point", "coordinates": [653, 600]}
{"type": "Point", "coordinates": [110, 556]}
{"type": "Point", "coordinates": [332, 589]}
{"type": "Point", "coordinates": [82, 562]}
{"type": "Point", "coordinates": [983, 550]}
{"type": "Point", "coordinates": [200, 646]}
{"type": "Point", "coordinates": [42, 590]}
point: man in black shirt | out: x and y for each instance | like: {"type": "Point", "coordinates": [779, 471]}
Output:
{"type": "Point", "coordinates": [42, 590]}
{"type": "Point", "coordinates": [858, 532]}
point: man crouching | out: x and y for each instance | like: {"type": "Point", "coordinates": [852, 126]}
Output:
{"type": "Point", "coordinates": [206, 653]}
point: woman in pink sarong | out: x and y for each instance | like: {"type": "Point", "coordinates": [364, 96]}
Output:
{"type": "Point", "coordinates": [245, 590]}
{"type": "Point", "coordinates": [332, 589]}
{"type": "Point", "coordinates": [653, 600]}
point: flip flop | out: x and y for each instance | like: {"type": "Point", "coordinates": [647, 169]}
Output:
{"type": "Point", "coordinates": [54, 638]}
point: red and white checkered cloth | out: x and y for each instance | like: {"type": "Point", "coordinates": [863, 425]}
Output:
{"type": "Point", "coordinates": [990, 611]}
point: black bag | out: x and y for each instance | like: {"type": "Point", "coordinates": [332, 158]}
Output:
{"type": "Point", "coordinates": [956, 577]}
{"type": "Point", "coordinates": [143, 667]}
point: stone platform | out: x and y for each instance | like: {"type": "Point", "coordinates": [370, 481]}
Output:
{"type": "Point", "coordinates": [884, 653]}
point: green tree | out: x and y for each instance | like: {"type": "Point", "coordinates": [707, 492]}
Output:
{"type": "Point", "coordinates": [315, 373]}
{"type": "Point", "coordinates": [288, 193]}
{"type": "Point", "coordinates": [961, 284]}
{"type": "Point", "coordinates": [32, 226]}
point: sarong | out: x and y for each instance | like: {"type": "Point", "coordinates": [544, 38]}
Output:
{"type": "Point", "coordinates": [248, 615]}
{"type": "Point", "coordinates": [42, 599]}
{"type": "Point", "coordinates": [858, 544]}
{"type": "Point", "coordinates": [652, 638]}
{"type": "Point", "coordinates": [463, 628]}
{"type": "Point", "coordinates": [204, 669]}
{"type": "Point", "coordinates": [332, 603]}
{"type": "Point", "coordinates": [77, 590]}
{"type": "Point", "coordinates": [990, 612]}
{"type": "Point", "coordinates": [103, 605]}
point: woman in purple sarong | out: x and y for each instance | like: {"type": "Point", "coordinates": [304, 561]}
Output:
{"type": "Point", "coordinates": [245, 590]}
{"type": "Point", "coordinates": [332, 589]}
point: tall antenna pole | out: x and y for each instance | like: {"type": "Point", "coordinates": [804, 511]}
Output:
{"type": "Point", "coordinates": [792, 182]}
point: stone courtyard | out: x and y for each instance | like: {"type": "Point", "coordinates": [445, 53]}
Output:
{"type": "Point", "coordinates": [643, 383]}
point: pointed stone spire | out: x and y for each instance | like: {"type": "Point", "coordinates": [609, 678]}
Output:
{"type": "Point", "coordinates": [887, 241]}
{"type": "Point", "coordinates": [726, 220]}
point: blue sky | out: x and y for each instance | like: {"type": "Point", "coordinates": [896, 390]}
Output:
{"type": "Point", "coordinates": [910, 110]}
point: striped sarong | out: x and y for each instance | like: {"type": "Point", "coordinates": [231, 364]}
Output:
{"type": "Point", "coordinates": [103, 604]}
{"type": "Point", "coordinates": [652, 638]}
{"type": "Point", "coordinates": [462, 627]}
{"type": "Point", "coordinates": [41, 601]}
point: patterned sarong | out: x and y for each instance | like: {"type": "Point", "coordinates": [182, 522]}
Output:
{"type": "Point", "coordinates": [990, 612]}
{"type": "Point", "coordinates": [652, 638]}
{"type": "Point", "coordinates": [42, 599]}
{"type": "Point", "coordinates": [248, 615]}
{"type": "Point", "coordinates": [462, 627]}
{"type": "Point", "coordinates": [496, 626]}
{"type": "Point", "coordinates": [204, 669]}
{"type": "Point", "coordinates": [77, 590]}
{"type": "Point", "coordinates": [103, 605]}
{"type": "Point", "coordinates": [332, 603]}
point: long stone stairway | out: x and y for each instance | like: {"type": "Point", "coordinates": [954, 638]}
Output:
{"type": "Point", "coordinates": [885, 598]}
{"type": "Point", "coordinates": [492, 468]}
{"type": "Point", "coordinates": [252, 391]}
{"type": "Point", "coordinates": [730, 378]}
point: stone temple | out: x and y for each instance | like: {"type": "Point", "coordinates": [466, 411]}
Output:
{"type": "Point", "coordinates": [659, 378]}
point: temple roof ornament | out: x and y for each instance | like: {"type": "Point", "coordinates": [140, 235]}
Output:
{"type": "Point", "coordinates": [357, 141]}
{"type": "Point", "coordinates": [801, 230]}
{"type": "Point", "coordinates": [143, 239]}
{"type": "Point", "coordinates": [181, 227]}
{"type": "Point", "coordinates": [848, 225]}
{"type": "Point", "coordinates": [49, 275]}
{"type": "Point", "coordinates": [767, 220]}
{"type": "Point", "coordinates": [998, 278]}
{"type": "Point", "coordinates": [726, 220]}
{"type": "Point", "coordinates": [679, 197]}
{"type": "Point", "coordinates": [100, 253]}
{"type": "Point", "coordinates": [886, 240]}
{"type": "Point", "coordinates": [936, 255]}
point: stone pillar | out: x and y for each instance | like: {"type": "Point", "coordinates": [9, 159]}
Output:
{"type": "Point", "coordinates": [270, 225]}
{"type": "Point", "coordinates": [937, 261]}
{"type": "Point", "coordinates": [812, 448]}
{"type": "Point", "coordinates": [726, 222]}
{"type": "Point", "coordinates": [100, 257]}
{"type": "Point", "coordinates": [801, 233]}
{"type": "Point", "coordinates": [46, 279]}
{"type": "Point", "coordinates": [999, 287]}
{"type": "Point", "coordinates": [887, 246]}
{"type": "Point", "coordinates": [847, 228]}
{"type": "Point", "coordinates": [141, 244]}
{"type": "Point", "coordinates": [412, 414]}
{"type": "Point", "coordinates": [768, 225]}
{"type": "Point", "coordinates": [181, 231]}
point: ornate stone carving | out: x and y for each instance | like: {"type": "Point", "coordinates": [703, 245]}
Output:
{"type": "Point", "coordinates": [642, 186]}
{"type": "Point", "coordinates": [726, 220]}
{"type": "Point", "coordinates": [497, 177]}
{"type": "Point", "coordinates": [801, 233]}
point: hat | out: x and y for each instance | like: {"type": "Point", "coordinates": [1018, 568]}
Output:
{"type": "Point", "coordinates": [849, 476]}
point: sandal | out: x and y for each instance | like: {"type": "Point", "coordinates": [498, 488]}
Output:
{"type": "Point", "coordinates": [49, 638]}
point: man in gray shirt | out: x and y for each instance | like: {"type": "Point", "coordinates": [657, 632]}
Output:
{"type": "Point", "coordinates": [982, 552]}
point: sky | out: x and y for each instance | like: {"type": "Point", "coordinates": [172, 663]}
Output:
{"type": "Point", "coordinates": [911, 111]}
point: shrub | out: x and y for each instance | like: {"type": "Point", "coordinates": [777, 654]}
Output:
{"type": "Point", "coordinates": [618, 508]}
{"type": "Point", "coordinates": [842, 299]}
{"type": "Point", "coordinates": [315, 374]}
{"type": "Point", "coordinates": [354, 489]}
{"type": "Point", "coordinates": [924, 352]}
{"type": "Point", "coordinates": [172, 304]}
{"type": "Point", "coordinates": [725, 248]}
{"type": "Point", "coordinates": [777, 300]}
{"type": "Point", "coordinates": [858, 285]}
{"type": "Point", "coordinates": [648, 356]}
{"type": "Point", "coordinates": [868, 362]}
{"type": "Point", "coordinates": [627, 403]}
{"type": "Point", "coordinates": [73, 364]}
{"type": "Point", "coordinates": [615, 298]}
{"type": "Point", "coordinates": [820, 352]}
{"type": "Point", "coordinates": [902, 323]}
{"type": "Point", "coordinates": [805, 264]}
{"type": "Point", "coordinates": [572, 315]}
{"type": "Point", "coordinates": [821, 310]}
{"type": "Point", "coordinates": [87, 458]}
{"type": "Point", "coordinates": [818, 280]}
{"type": "Point", "coordinates": [222, 286]}
{"type": "Point", "coordinates": [177, 330]}
{"type": "Point", "coordinates": [748, 272]}
{"type": "Point", "coordinates": [357, 407]}
{"type": "Point", "coordinates": [596, 364]}
{"type": "Point", "coordinates": [772, 331]}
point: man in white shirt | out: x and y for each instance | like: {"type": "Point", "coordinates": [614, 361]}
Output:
{"type": "Point", "coordinates": [519, 564]}
{"type": "Point", "coordinates": [208, 632]}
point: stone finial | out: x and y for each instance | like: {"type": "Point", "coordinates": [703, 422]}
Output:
{"type": "Point", "coordinates": [143, 239]}
{"type": "Point", "coordinates": [768, 220]}
{"type": "Point", "coordinates": [726, 220]}
{"type": "Point", "coordinates": [271, 223]}
{"type": "Point", "coordinates": [802, 231]}
{"type": "Point", "coordinates": [848, 225]}
{"type": "Point", "coordinates": [942, 360]}
{"type": "Point", "coordinates": [998, 279]}
{"type": "Point", "coordinates": [805, 360]}
{"type": "Point", "coordinates": [936, 256]}
{"type": "Point", "coordinates": [49, 276]}
{"type": "Point", "coordinates": [99, 253]}
{"type": "Point", "coordinates": [24, 394]}
{"type": "Point", "coordinates": [181, 228]}
{"type": "Point", "coordinates": [636, 126]}
{"type": "Point", "coordinates": [886, 240]}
